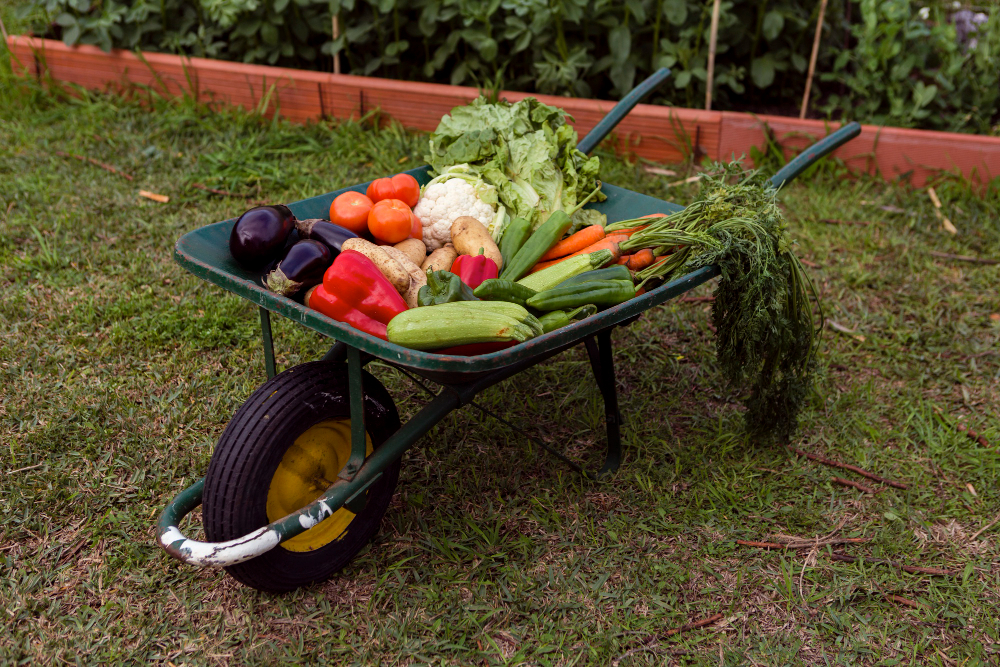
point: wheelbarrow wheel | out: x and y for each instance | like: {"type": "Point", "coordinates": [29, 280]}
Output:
{"type": "Point", "coordinates": [281, 450]}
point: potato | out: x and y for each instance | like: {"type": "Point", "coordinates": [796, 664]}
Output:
{"type": "Point", "coordinates": [390, 268]}
{"type": "Point", "coordinates": [469, 235]}
{"type": "Point", "coordinates": [414, 249]}
{"type": "Point", "coordinates": [441, 259]}
{"type": "Point", "coordinates": [417, 277]}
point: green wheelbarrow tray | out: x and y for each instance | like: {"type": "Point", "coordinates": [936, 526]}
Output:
{"type": "Point", "coordinates": [205, 253]}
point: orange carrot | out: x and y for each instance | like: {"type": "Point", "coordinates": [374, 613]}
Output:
{"type": "Point", "coordinates": [640, 260]}
{"type": "Point", "coordinates": [631, 231]}
{"type": "Point", "coordinates": [609, 242]}
{"type": "Point", "coordinates": [578, 241]}
{"type": "Point", "coordinates": [624, 260]}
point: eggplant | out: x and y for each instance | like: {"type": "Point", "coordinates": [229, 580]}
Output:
{"type": "Point", "coordinates": [324, 231]}
{"type": "Point", "coordinates": [302, 267]}
{"type": "Point", "coordinates": [259, 236]}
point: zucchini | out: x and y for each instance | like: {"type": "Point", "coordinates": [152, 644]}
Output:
{"type": "Point", "coordinates": [435, 327]}
{"type": "Point", "coordinates": [557, 273]}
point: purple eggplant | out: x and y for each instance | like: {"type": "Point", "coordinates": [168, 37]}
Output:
{"type": "Point", "coordinates": [324, 231]}
{"type": "Point", "coordinates": [259, 236]}
{"type": "Point", "coordinates": [302, 267]}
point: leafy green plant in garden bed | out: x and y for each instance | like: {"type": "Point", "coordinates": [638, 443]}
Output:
{"type": "Point", "coordinates": [566, 47]}
{"type": "Point", "coordinates": [909, 71]}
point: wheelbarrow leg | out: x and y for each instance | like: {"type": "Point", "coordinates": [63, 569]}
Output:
{"type": "Point", "coordinates": [265, 331]}
{"type": "Point", "coordinates": [602, 361]}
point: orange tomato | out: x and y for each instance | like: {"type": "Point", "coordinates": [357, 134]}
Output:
{"type": "Point", "coordinates": [390, 221]}
{"type": "Point", "coordinates": [401, 186]}
{"type": "Point", "coordinates": [350, 209]}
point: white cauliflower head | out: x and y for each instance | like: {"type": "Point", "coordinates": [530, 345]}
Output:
{"type": "Point", "coordinates": [444, 201]}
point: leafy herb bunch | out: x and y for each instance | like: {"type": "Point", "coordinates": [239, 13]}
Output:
{"type": "Point", "coordinates": [764, 315]}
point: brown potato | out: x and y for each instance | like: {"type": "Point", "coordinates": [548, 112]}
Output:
{"type": "Point", "coordinates": [414, 249]}
{"type": "Point", "coordinates": [417, 277]}
{"type": "Point", "coordinates": [469, 235]}
{"type": "Point", "coordinates": [441, 259]}
{"type": "Point", "coordinates": [390, 268]}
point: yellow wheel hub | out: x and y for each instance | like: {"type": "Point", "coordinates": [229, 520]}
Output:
{"type": "Point", "coordinates": [308, 469]}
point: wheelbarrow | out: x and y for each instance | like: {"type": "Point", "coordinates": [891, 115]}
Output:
{"type": "Point", "coordinates": [303, 473]}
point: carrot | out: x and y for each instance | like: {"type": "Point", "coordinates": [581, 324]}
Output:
{"type": "Point", "coordinates": [633, 230]}
{"type": "Point", "coordinates": [640, 260]}
{"type": "Point", "coordinates": [624, 260]}
{"type": "Point", "coordinates": [578, 241]}
{"type": "Point", "coordinates": [609, 242]}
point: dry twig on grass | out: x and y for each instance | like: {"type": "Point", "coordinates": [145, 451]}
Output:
{"type": "Point", "coordinates": [847, 466]}
{"type": "Point", "coordinates": [963, 258]}
{"type": "Point", "coordinates": [652, 640]}
{"type": "Point", "coordinates": [96, 163]}
{"type": "Point", "coordinates": [985, 528]}
{"type": "Point", "coordinates": [836, 221]}
{"type": "Point", "coordinates": [901, 600]}
{"type": "Point", "coordinates": [853, 485]}
{"type": "Point", "coordinates": [972, 435]}
{"type": "Point", "coordinates": [912, 569]}
{"type": "Point", "coordinates": [945, 222]}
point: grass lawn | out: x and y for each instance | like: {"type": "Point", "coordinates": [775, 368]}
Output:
{"type": "Point", "coordinates": [118, 372]}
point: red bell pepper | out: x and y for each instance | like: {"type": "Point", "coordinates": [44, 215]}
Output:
{"type": "Point", "coordinates": [474, 269]}
{"type": "Point", "coordinates": [355, 292]}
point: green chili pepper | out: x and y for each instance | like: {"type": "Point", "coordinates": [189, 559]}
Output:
{"type": "Point", "coordinates": [616, 272]}
{"type": "Point", "coordinates": [537, 245]}
{"type": "Point", "coordinates": [598, 292]}
{"type": "Point", "coordinates": [560, 318]}
{"type": "Point", "coordinates": [444, 287]}
{"type": "Point", "coordinates": [496, 289]}
{"type": "Point", "coordinates": [514, 236]}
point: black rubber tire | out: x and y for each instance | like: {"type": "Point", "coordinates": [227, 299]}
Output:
{"type": "Point", "coordinates": [252, 446]}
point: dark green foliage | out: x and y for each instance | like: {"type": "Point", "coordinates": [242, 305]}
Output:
{"type": "Point", "coordinates": [563, 47]}
{"type": "Point", "coordinates": [908, 71]}
{"type": "Point", "coordinates": [765, 340]}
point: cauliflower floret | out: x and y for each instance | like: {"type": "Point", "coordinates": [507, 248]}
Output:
{"type": "Point", "coordinates": [441, 203]}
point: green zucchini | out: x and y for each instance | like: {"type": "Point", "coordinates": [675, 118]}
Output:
{"type": "Point", "coordinates": [557, 273]}
{"type": "Point", "coordinates": [435, 327]}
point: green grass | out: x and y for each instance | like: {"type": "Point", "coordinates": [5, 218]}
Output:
{"type": "Point", "coordinates": [119, 372]}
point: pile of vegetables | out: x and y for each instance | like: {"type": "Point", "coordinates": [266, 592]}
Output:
{"type": "Point", "coordinates": [471, 279]}
{"type": "Point", "coordinates": [521, 159]}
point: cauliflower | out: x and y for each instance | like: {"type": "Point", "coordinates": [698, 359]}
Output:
{"type": "Point", "coordinates": [441, 202]}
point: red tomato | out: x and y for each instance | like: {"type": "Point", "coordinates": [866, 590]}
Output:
{"type": "Point", "coordinates": [379, 189]}
{"type": "Point", "coordinates": [390, 221]}
{"type": "Point", "coordinates": [407, 189]}
{"type": "Point", "coordinates": [416, 228]}
{"type": "Point", "coordinates": [350, 209]}
{"type": "Point", "coordinates": [401, 186]}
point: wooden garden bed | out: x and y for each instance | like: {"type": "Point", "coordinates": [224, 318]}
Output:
{"type": "Point", "coordinates": [658, 133]}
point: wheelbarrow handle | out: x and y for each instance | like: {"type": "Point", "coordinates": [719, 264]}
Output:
{"type": "Point", "coordinates": [620, 110]}
{"type": "Point", "coordinates": [814, 153]}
